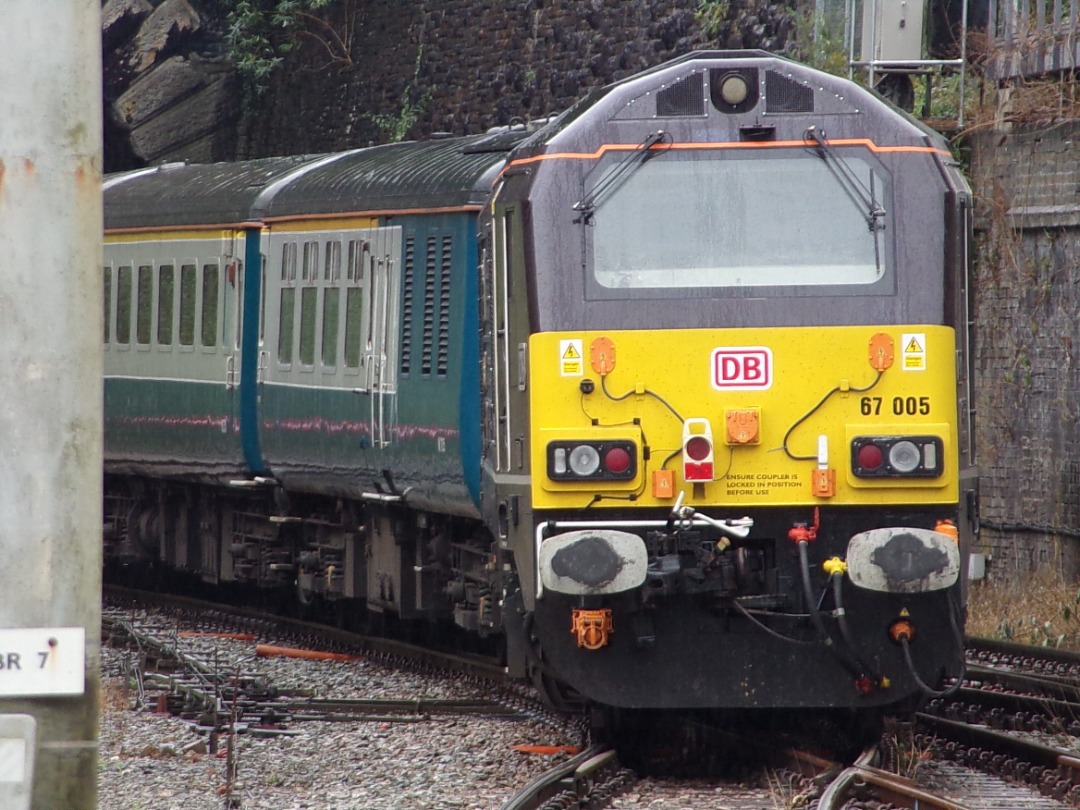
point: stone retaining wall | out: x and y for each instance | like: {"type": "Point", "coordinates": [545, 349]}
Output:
{"type": "Point", "coordinates": [410, 68]}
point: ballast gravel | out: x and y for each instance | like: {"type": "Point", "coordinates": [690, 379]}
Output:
{"type": "Point", "coordinates": [152, 761]}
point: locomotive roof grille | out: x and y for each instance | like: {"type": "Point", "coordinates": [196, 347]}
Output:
{"type": "Point", "coordinates": [684, 97]}
{"type": "Point", "coordinates": [784, 95]}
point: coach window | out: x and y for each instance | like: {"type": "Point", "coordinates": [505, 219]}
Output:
{"type": "Point", "coordinates": [288, 262]}
{"type": "Point", "coordinates": [166, 296]}
{"type": "Point", "coordinates": [332, 270]}
{"type": "Point", "coordinates": [354, 301]}
{"type": "Point", "coordinates": [285, 335]}
{"type": "Point", "coordinates": [188, 292]}
{"type": "Point", "coordinates": [287, 313]}
{"type": "Point", "coordinates": [331, 316]}
{"type": "Point", "coordinates": [308, 302]}
{"type": "Point", "coordinates": [235, 277]}
{"type": "Point", "coordinates": [210, 288]}
{"type": "Point", "coordinates": [359, 249]}
{"type": "Point", "coordinates": [262, 297]}
{"type": "Point", "coordinates": [123, 305]}
{"type": "Point", "coordinates": [331, 311]}
{"type": "Point", "coordinates": [108, 301]}
{"type": "Point", "coordinates": [144, 308]}
{"type": "Point", "coordinates": [311, 261]}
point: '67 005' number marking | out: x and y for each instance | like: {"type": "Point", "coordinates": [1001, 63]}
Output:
{"type": "Point", "coordinates": [901, 406]}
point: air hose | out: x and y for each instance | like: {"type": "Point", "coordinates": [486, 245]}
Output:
{"type": "Point", "coordinates": [846, 660]}
{"type": "Point", "coordinates": [905, 641]}
{"type": "Point", "coordinates": [837, 577]}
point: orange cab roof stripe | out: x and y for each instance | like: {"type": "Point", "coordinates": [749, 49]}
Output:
{"type": "Point", "coordinates": [633, 147]}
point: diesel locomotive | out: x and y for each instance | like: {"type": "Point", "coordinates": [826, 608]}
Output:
{"type": "Point", "coordinates": [669, 396]}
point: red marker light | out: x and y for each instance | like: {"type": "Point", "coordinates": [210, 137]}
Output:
{"type": "Point", "coordinates": [697, 451]}
{"type": "Point", "coordinates": [616, 460]}
{"type": "Point", "coordinates": [870, 456]}
{"type": "Point", "coordinates": [698, 448]}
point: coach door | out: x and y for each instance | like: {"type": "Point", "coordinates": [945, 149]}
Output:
{"type": "Point", "coordinates": [378, 277]}
{"type": "Point", "coordinates": [232, 321]}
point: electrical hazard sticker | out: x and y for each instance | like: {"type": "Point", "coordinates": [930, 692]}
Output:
{"type": "Point", "coordinates": [913, 346]}
{"type": "Point", "coordinates": [571, 361]}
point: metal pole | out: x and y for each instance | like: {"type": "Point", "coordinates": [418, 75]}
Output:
{"type": "Point", "coordinates": [51, 403]}
{"type": "Point", "coordinates": [849, 14]}
{"type": "Point", "coordinates": [873, 41]}
{"type": "Point", "coordinates": [963, 63]}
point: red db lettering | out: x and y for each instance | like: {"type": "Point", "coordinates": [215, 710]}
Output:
{"type": "Point", "coordinates": [742, 368]}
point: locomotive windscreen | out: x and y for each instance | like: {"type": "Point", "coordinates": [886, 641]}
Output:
{"type": "Point", "coordinates": [705, 219]}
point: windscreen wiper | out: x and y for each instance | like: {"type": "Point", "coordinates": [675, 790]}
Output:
{"type": "Point", "coordinates": [634, 160]}
{"type": "Point", "coordinates": [856, 189]}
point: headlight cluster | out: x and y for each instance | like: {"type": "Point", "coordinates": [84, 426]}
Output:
{"type": "Point", "coordinates": [896, 456]}
{"type": "Point", "coordinates": [592, 460]}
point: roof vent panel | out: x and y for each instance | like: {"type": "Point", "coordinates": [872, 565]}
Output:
{"type": "Point", "coordinates": [684, 97]}
{"type": "Point", "coordinates": [785, 95]}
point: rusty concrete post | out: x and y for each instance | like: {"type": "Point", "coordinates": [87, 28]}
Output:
{"type": "Point", "coordinates": [50, 400]}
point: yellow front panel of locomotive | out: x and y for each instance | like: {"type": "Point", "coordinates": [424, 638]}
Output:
{"type": "Point", "coordinates": [811, 390]}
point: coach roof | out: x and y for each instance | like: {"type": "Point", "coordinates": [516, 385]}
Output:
{"type": "Point", "coordinates": [435, 174]}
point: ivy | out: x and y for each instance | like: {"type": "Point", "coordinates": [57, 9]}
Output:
{"type": "Point", "coordinates": [396, 127]}
{"type": "Point", "coordinates": [260, 33]}
{"type": "Point", "coordinates": [712, 17]}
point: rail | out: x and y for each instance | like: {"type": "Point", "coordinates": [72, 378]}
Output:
{"type": "Point", "coordinates": [592, 776]}
{"type": "Point", "coordinates": [862, 779]}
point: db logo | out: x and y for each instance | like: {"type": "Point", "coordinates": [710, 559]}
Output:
{"type": "Point", "coordinates": [742, 368]}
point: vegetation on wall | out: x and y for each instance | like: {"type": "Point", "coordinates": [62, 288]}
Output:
{"type": "Point", "coordinates": [712, 17]}
{"type": "Point", "coordinates": [819, 40]}
{"type": "Point", "coordinates": [746, 23]}
{"type": "Point", "coordinates": [260, 33]}
{"type": "Point", "coordinates": [413, 101]}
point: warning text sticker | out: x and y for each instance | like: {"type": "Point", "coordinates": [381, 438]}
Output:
{"type": "Point", "coordinates": [913, 348]}
{"type": "Point", "coordinates": [571, 363]}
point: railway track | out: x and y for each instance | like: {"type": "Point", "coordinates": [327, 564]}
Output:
{"type": "Point", "coordinates": [215, 618]}
{"type": "Point", "coordinates": [1016, 717]}
{"type": "Point", "coordinates": [393, 717]}
{"type": "Point", "coordinates": [594, 779]}
{"type": "Point", "coordinates": [196, 689]}
{"type": "Point", "coordinates": [590, 779]}
{"type": "Point", "coordinates": [1001, 723]}
{"type": "Point", "coordinates": [1004, 740]}
{"type": "Point", "coordinates": [200, 688]}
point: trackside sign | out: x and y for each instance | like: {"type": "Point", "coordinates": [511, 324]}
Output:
{"type": "Point", "coordinates": [742, 368]}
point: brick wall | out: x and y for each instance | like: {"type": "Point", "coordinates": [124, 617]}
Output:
{"type": "Point", "coordinates": [462, 66]}
{"type": "Point", "coordinates": [1027, 183]}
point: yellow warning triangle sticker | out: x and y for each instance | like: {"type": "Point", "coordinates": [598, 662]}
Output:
{"type": "Point", "coordinates": [571, 353]}
{"type": "Point", "coordinates": [913, 347]}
